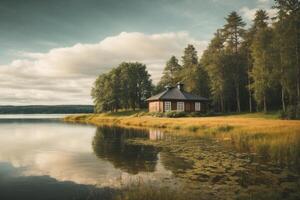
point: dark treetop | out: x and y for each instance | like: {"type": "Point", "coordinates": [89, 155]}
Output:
{"type": "Point", "coordinates": [176, 93]}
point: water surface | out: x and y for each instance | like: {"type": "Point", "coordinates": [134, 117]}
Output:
{"type": "Point", "coordinates": [46, 158]}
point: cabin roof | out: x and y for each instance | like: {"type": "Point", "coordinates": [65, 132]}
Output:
{"type": "Point", "coordinates": [175, 93]}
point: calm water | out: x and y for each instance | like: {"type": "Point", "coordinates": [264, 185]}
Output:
{"type": "Point", "coordinates": [42, 157]}
{"type": "Point", "coordinates": [48, 159]}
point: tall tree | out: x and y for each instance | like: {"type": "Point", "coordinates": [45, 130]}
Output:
{"type": "Point", "coordinates": [288, 43]}
{"type": "Point", "coordinates": [189, 64]}
{"type": "Point", "coordinates": [105, 92]}
{"type": "Point", "coordinates": [263, 55]}
{"type": "Point", "coordinates": [212, 60]}
{"type": "Point", "coordinates": [260, 20]}
{"type": "Point", "coordinates": [245, 49]}
{"type": "Point", "coordinates": [233, 32]}
{"type": "Point", "coordinates": [126, 86]}
{"type": "Point", "coordinates": [171, 73]}
{"type": "Point", "coordinates": [202, 81]}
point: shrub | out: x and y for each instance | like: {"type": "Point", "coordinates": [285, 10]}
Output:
{"type": "Point", "coordinates": [174, 114]}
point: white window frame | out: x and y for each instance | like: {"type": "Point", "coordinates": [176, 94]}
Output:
{"type": "Point", "coordinates": [180, 106]}
{"type": "Point", "coordinates": [197, 106]}
{"type": "Point", "coordinates": [168, 106]}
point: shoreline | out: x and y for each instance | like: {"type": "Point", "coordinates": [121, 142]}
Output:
{"type": "Point", "coordinates": [240, 123]}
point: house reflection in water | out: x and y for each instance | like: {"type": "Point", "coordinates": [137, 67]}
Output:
{"type": "Point", "coordinates": [156, 134]}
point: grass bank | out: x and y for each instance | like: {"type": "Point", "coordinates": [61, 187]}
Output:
{"type": "Point", "coordinates": [250, 123]}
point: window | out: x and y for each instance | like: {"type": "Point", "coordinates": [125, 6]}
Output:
{"type": "Point", "coordinates": [197, 106]}
{"type": "Point", "coordinates": [180, 106]}
{"type": "Point", "coordinates": [167, 106]}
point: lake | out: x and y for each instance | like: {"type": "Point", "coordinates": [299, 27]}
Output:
{"type": "Point", "coordinates": [42, 157]}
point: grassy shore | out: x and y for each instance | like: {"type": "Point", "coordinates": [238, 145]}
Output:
{"type": "Point", "coordinates": [250, 123]}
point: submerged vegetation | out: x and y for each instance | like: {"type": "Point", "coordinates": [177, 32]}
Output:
{"type": "Point", "coordinates": [249, 168]}
{"type": "Point", "coordinates": [212, 163]}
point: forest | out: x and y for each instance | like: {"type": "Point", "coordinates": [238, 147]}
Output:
{"type": "Point", "coordinates": [244, 68]}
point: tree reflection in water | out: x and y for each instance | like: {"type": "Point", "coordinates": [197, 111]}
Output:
{"type": "Point", "coordinates": [109, 143]}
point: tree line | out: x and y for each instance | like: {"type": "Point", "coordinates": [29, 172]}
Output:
{"type": "Point", "coordinates": [243, 69]}
{"type": "Point", "coordinates": [254, 69]}
{"type": "Point", "coordinates": [47, 109]}
{"type": "Point", "coordinates": [124, 87]}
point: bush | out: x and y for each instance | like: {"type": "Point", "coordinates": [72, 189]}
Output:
{"type": "Point", "coordinates": [172, 114]}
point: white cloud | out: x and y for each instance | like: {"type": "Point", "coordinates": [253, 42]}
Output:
{"type": "Point", "coordinates": [65, 75]}
{"type": "Point", "coordinates": [249, 14]}
{"type": "Point", "coordinates": [263, 1]}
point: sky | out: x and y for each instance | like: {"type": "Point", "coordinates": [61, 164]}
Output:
{"type": "Point", "coordinates": [52, 51]}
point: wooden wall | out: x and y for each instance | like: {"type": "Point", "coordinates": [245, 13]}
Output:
{"type": "Point", "coordinates": [189, 106]}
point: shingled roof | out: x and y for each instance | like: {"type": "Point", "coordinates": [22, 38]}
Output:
{"type": "Point", "coordinates": [176, 93]}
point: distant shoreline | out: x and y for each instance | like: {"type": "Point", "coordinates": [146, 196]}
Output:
{"type": "Point", "coordinates": [46, 109]}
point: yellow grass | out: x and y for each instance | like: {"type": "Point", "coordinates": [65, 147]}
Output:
{"type": "Point", "coordinates": [243, 124]}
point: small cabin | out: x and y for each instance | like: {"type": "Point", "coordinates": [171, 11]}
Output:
{"type": "Point", "coordinates": [176, 99]}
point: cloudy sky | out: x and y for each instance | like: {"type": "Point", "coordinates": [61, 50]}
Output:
{"type": "Point", "coordinates": [52, 51]}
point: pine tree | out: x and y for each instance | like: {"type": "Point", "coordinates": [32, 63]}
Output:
{"type": "Point", "coordinates": [189, 68]}
{"type": "Point", "coordinates": [288, 42]}
{"type": "Point", "coordinates": [212, 60]}
{"type": "Point", "coordinates": [233, 32]}
{"type": "Point", "coordinates": [171, 73]}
